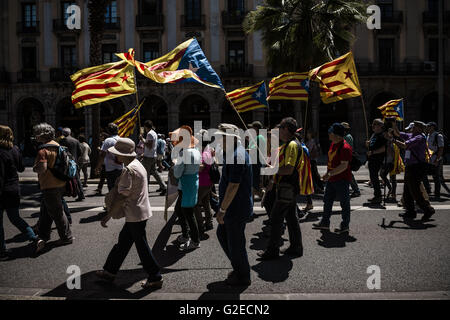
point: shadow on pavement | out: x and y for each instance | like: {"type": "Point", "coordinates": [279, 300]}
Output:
{"type": "Point", "coordinates": [220, 290]}
{"type": "Point", "coordinates": [333, 240]}
{"type": "Point", "coordinates": [28, 251]}
{"type": "Point", "coordinates": [274, 270]}
{"type": "Point", "coordinates": [410, 224]}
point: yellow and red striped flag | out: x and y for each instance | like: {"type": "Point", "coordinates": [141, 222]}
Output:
{"type": "Point", "coordinates": [305, 174]}
{"type": "Point", "coordinates": [289, 86]}
{"type": "Point", "coordinates": [101, 83]}
{"type": "Point", "coordinates": [337, 79]}
{"type": "Point", "coordinates": [127, 122]}
{"type": "Point", "coordinates": [392, 108]}
{"type": "Point", "coordinates": [249, 98]}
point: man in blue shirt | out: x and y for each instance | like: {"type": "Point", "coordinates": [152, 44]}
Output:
{"type": "Point", "coordinates": [236, 204]}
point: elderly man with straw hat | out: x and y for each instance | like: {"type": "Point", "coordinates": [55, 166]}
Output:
{"type": "Point", "coordinates": [132, 188]}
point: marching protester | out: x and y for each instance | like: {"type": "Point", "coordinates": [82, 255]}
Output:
{"type": "Point", "coordinates": [435, 142]}
{"type": "Point", "coordinates": [375, 155]}
{"type": "Point", "coordinates": [286, 184]}
{"type": "Point", "coordinates": [160, 151]}
{"type": "Point", "coordinates": [186, 170]}
{"type": "Point", "coordinates": [415, 146]}
{"type": "Point", "coordinates": [74, 147]}
{"type": "Point", "coordinates": [150, 155]}
{"type": "Point", "coordinates": [349, 138]}
{"type": "Point", "coordinates": [235, 203]}
{"type": "Point", "coordinates": [83, 160]}
{"type": "Point", "coordinates": [51, 187]}
{"type": "Point", "coordinates": [132, 194]}
{"type": "Point", "coordinates": [10, 165]}
{"type": "Point", "coordinates": [257, 163]}
{"type": "Point", "coordinates": [393, 166]}
{"type": "Point", "coordinates": [338, 179]}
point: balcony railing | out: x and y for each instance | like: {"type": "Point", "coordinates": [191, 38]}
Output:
{"type": "Point", "coordinates": [62, 74]}
{"type": "Point", "coordinates": [60, 25]}
{"type": "Point", "coordinates": [27, 27]}
{"type": "Point", "coordinates": [236, 70]}
{"type": "Point", "coordinates": [232, 18]}
{"type": "Point", "coordinates": [420, 68]}
{"type": "Point", "coordinates": [150, 21]}
{"type": "Point", "coordinates": [433, 17]}
{"type": "Point", "coordinates": [197, 22]}
{"type": "Point", "coordinates": [393, 17]}
{"type": "Point", "coordinates": [28, 76]}
{"type": "Point", "coordinates": [112, 24]}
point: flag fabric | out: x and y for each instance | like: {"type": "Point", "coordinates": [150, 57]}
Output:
{"type": "Point", "coordinates": [305, 173]}
{"type": "Point", "coordinates": [392, 108]}
{"type": "Point", "coordinates": [101, 83]}
{"type": "Point", "coordinates": [399, 166]}
{"type": "Point", "coordinates": [249, 98]}
{"type": "Point", "coordinates": [185, 63]}
{"type": "Point", "coordinates": [289, 86]}
{"type": "Point", "coordinates": [337, 79]}
{"type": "Point", "coordinates": [127, 122]}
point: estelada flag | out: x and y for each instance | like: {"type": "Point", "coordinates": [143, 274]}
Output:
{"type": "Point", "coordinates": [185, 63]}
{"type": "Point", "coordinates": [392, 108]}
{"type": "Point", "coordinates": [289, 86]}
{"type": "Point", "coordinates": [337, 79]}
{"type": "Point", "coordinates": [101, 83]}
{"type": "Point", "coordinates": [249, 98]}
{"type": "Point", "coordinates": [127, 122]}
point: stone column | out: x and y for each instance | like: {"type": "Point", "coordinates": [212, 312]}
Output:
{"type": "Point", "coordinates": [215, 116]}
{"type": "Point", "coordinates": [173, 113]}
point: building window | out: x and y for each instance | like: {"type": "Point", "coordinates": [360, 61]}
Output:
{"type": "Point", "coordinates": [387, 8]}
{"type": "Point", "coordinates": [29, 58]}
{"type": "Point", "coordinates": [236, 55]}
{"type": "Point", "coordinates": [150, 7]}
{"type": "Point", "coordinates": [151, 51]}
{"type": "Point", "coordinates": [433, 7]}
{"type": "Point", "coordinates": [386, 54]}
{"type": "Point", "coordinates": [236, 6]}
{"type": "Point", "coordinates": [111, 12]}
{"type": "Point", "coordinates": [108, 53]}
{"type": "Point", "coordinates": [68, 56]}
{"type": "Point", "coordinates": [64, 6]}
{"type": "Point", "coordinates": [29, 14]}
{"type": "Point", "coordinates": [193, 10]}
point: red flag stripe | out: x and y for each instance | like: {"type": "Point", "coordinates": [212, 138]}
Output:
{"type": "Point", "coordinates": [242, 102]}
{"type": "Point", "coordinates": [333, 84]}
{"type": "Point", "coordinates": [94, 74]}
{"type": "Point", "coordinates": [236, 94]}
{"type": "Point", "coordinates": [289, 95]}
{"type": "Point", "coordinates": [97, 95]}
{"type": "Point", "coordinates": [271, 88]}
{"type": "Point", "coordinates": [343, 91]}
{"type": "Point", "coordinates": [250, 106]}
{"type": "Point", "coordinates": [96, 86]}
{"type": "Point", "coordinates": [167, 64]}
{"type": "Point", "coordinates": [329, 74]}
{"type": "Point", "coordinates": [103, 76]}
{"type": "Point", "coordinates": [333, 63]}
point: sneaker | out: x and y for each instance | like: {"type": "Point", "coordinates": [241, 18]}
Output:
{"type": "Point", "coordinates": [152, 284]}
{"type": "Point", "coordinates": [341, 230]}
{"type": "Point", "coordinates": [190, 245]}
{"type": "Point", "coordinates": [105, 275]}
{"type": "Point", "coordinates": [291, 251]}
{"type": "Point", "coordinates": [308, 207]}
{"type": "Point", "coordinates": [321, 226]}
{"type": "Point", "coordinates": [268, 255]}
{"type": "Point", "coordinates": [181, 239]}
{"type": "Point", "coordinates": [40, 244]}
{"type": "Point", "coordinates": [375, 200]}
{"type": "Point", "coordinates": [427, 216]}
{"type": "Point", "coordinates": [355, 194]}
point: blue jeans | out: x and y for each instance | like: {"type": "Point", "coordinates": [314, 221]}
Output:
{"type": "Point", "coordinates": [231, 236]}
{"type": "Point", "coordinates": [338, 189]}
{"type": "Point", "coordinates": [18, 222]}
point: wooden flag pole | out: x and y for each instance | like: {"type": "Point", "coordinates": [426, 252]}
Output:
{"type": "Point", "coordinates": [137, 100]}
{"type": "Point", "coordinates": [365, 118]}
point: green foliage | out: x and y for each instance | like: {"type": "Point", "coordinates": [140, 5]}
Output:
{"type": "Point", "coordinates": [300, 34]}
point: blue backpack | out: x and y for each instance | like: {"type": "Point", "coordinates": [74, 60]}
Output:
{"type": "Point", "coordinates": [65, 167]}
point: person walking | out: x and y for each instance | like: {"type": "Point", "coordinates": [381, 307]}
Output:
{"type": "Point", "coordinates": [150, 155]}
{"type": "Point", "coordinates": [52, 188]}
{"type": "Point", "coordinates": [436, 144]}
{"type": "Point", "coordinates": [235, 203]}
{"type": "Point", "coordinates": [375, 155]}
{"type": "Point", "coordinates": [186, 169]}
{"type": "Point", "coordinates": [10, 165]}
{"type": "Point", "coordinates": [132, 188]}
{"type": "Point", "coordinates": [83, 160]}
{"type": "Point", "coordinates": [349, 138]}
{"type": "Point", "coordinates": [415, 147]}
{"type": "Point", "coordinates": [160, 151]}
{"type": "Point", "coordinates": [74, 148]}
{"type": "Point", "coordinates": [338, 179]}
{"type": "Point", "coordinates": [257, 163]}
{"type": "Point", "coordinates": [286, 184]}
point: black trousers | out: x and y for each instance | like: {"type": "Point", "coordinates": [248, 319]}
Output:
{"type": "Point", "coordinates": [315, 175]}
{"type": "Point", "coordinates": [374, 169]}
{"type": "Point", "coordinates": [133, 232]}
{"type": "Point", "coordinates": [187, 219]}
{"type": "Point", "coordinates": [411, 191]}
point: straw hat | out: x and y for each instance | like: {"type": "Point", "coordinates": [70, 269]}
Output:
{"type": "Point", "coordinates": [227, 129]}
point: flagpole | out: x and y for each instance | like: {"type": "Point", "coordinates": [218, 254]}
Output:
{"type": "Point", "coordinates": [137, 100]}
{"type": "Point", "coordinates": [365, 118]}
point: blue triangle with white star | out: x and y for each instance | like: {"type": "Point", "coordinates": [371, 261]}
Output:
{"type": "Point", "coordinates": [260, 94]}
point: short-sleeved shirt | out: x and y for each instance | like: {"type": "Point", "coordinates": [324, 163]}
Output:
{"type": "Point", "coordinates": [111, 163]}
{"type": "Point", "coordinates": [287, 155]}
{"type": "Point", "coordinates": [241, 207]}
{"type": "Point", "coordinates": [416, 148]}
{"type": "Point", "coordinates": [46, 179]}
{"type": "Point", "coordinates": [339, 152]}
{"type": "Point", "coordinates": [151, 136]}
{"type": "Point", "coordinates": [435, 141]}
{"type": "Point", "coordinates": [161, 147]}
{"type": "Point", "coordinates": [377, 140]}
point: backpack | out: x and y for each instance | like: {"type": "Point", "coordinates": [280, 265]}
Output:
{"type": "Point", "coordinates": [355, 163]}
{"type": "Point", "coordinates": [65, 167]}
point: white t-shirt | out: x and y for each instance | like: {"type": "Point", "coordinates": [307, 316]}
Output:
{"type": "Point", "coordinates": [110, 159]}
{"type": "Point", "coordinates": [151, 136]}
{"type": "Point", "coordinates": [434, 143]}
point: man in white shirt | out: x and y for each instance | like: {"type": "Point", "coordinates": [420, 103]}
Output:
{"type": "Point", "coordinates": [435, 142]}
{"type": "Point", "coordinates": [150, 156]}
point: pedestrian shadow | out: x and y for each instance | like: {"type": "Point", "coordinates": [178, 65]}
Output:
{"type": "Point", "coordinates": [124, 286]}
{"type": "Point", "coordinates": [18, 238]}
{"type": "Point", "coordinates": [410, 225]}
{"type": "Point", "coordinates": [29, 250]}
{"type": "Point", "coordinates": [373, 206]}
{"type": "Point", "coordinates": [219, 290]}
{"type": "Point", "coordinates": [333, 240]}
{"type": "Point", "coordinates": [94, 218]}
{"type": "Point", "coordinates": [259, 242]}
{"type": "Point", "coordinates": [274, 271]}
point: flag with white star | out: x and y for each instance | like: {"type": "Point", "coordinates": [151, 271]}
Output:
{"type": "Point", "coordinates": [392, 108]}
{"type": "Point", "coordinates": [249, 98]}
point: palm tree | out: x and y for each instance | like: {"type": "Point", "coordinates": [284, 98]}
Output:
{"type": "Point", "coordinates": [97, 10]}
{"type": "Point", "coordinates": [301, 34]}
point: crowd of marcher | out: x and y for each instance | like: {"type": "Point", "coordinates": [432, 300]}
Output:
{"type": "Point", "coordinates": [127, 166]}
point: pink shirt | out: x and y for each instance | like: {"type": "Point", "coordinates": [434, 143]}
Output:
{"type": "Point", "coordinates": [207, 160]}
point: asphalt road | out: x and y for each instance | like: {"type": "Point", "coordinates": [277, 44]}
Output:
{"type": "Point", "coordinates": [414, 259]}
